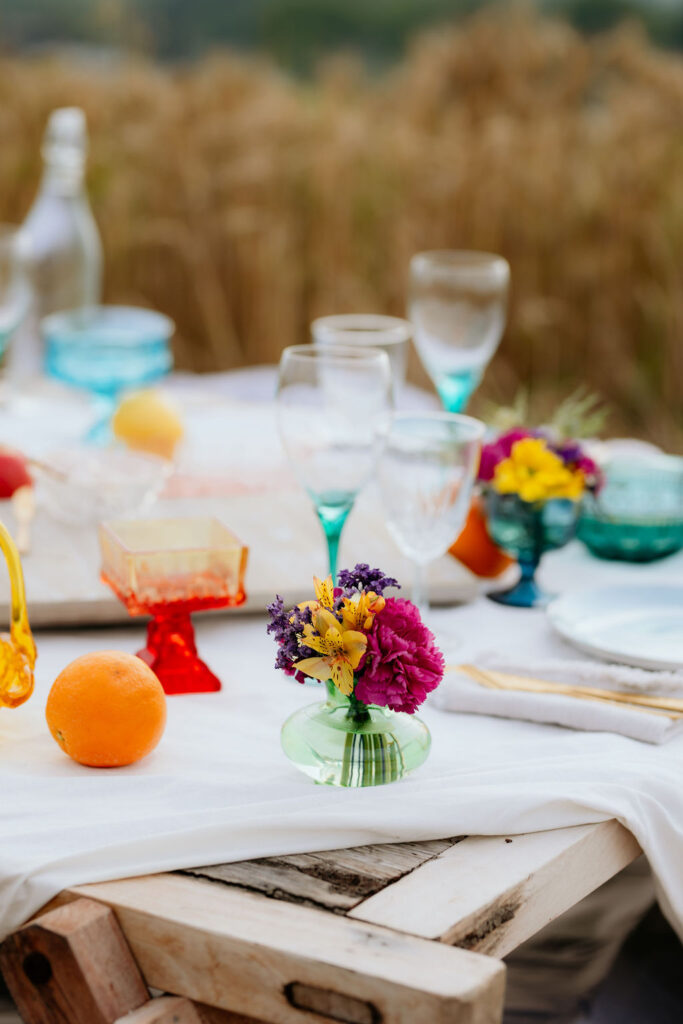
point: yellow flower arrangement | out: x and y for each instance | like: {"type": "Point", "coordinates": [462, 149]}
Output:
{"type": "Point", "coordinates": [537, 474]}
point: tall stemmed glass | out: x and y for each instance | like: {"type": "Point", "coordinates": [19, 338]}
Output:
{"type": "Point", "coordinates": [334, 410]}
{"type": "Point", "coordinates": [388, 333]}
{"type": "Point", "coordinates": [458, 306]}
{"type": "Point", "coordinates": [426, 475]}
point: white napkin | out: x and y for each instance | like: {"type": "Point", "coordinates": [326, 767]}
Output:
{"type": "Point", "coordinates": [460, 693]}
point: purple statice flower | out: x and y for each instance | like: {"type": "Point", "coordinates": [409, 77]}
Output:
{"type": "Point", "coordinates": [573, 455]}
{"type": "Point", "coordinates": [501, 448]}
{"type": "Point", "coordinates": [402, 663]}
{"type": "Point", "coordinates": [287, 625]}
{"type": "Point", "coordinates": [570, 452]}
{"type": "Point", "coordinates": [362, 577]}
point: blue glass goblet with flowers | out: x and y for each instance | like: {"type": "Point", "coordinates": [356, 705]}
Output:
{"type": "Point", "coordinates": [378, 661]}
{"type": "Point", "coordinates": [532, 488]}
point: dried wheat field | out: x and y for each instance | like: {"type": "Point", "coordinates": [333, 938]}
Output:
{"type": "Point", "coordinates": [243, 202]}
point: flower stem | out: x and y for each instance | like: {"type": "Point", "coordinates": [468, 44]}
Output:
{"type": "Point", "coordinates": [358, 711]}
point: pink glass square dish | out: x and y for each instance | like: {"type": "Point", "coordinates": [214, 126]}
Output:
{"type": "Point", "coordinates": [190, 563]}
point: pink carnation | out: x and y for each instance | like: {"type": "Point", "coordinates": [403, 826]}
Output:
{"type": "Point", "coordinates": [402, 663]}
{"type": "Point", "coordinates": [496, 451]}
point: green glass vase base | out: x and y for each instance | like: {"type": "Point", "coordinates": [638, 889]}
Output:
{"type": "Point", "coordinates": [343, 743]}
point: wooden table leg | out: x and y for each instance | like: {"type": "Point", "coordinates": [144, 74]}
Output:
{"type": "Point", "coordinates": [73, 966]}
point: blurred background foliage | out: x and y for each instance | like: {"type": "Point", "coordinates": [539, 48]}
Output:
{"type": "Point", "coordinates": [295, 32]}
{"type": "Point", "coordinates": [244, 200]}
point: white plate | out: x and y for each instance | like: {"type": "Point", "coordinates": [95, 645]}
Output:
{"type": "Point", "coordinates": [636, 625]}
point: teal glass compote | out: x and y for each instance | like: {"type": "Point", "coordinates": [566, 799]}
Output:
{"type": "Point", "coordinates": [526, 530]}
{"type": "Point", "coordinates": [334, 409]}
{"type": "Point", "coordinates": [107, 350]}
{"type": "Point", "coordinates": [638, 514]}
{"type": "Point", "coordinates": [458, 306]}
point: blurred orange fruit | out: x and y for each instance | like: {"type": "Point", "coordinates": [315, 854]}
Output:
{"type": "Point", "coordinates": [106, 709]}
{"type": "Point", "coordinates": [475, 549]}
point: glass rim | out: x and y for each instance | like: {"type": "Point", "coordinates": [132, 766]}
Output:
{"type": "Point", "coordinates": [476, 428]}
{"type": "Point", "coordinates": [66, 326]}
{"type": "Point", "coordinates": [392, 330]}
{"type": "Point", "coordinates": [335, 353]}
{"type": "Point", "coordinates": [466, 261]}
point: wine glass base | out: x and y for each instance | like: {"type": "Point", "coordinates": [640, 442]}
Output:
{"type": "Point", "coordinates": [524, 594]}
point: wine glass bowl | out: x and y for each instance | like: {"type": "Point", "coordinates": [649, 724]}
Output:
{"type": "Point", "coordinates": [333, 409]}
{"type": "Point", "coordinates": [458, 306]}
{"type": "Point", "coordinates": [426, 475]}
{"type": "Point", "coordinates": [391, 334]}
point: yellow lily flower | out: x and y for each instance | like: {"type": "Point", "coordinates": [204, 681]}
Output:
{"type": "Point", "coordinates": [358, 612]}
{"type": "Point", "coordinates": [324, 595]}
{"type": "Point", "coordinates": [341, 650]}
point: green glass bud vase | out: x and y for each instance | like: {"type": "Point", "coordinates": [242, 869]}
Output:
{"type": "Point", "coordinates": [343, 742]}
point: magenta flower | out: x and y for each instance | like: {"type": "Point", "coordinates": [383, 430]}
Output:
{"type": "Point", "coordinates": [501, 448]}
{"type": "Point", "coordinates": [402, 663]}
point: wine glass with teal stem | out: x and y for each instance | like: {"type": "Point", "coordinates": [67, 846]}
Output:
{"type": "Point", "coordinates": [458, 307]}
{"type": "Point", "coordinates": [334, 407]}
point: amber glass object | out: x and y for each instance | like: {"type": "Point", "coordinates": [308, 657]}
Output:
{"type": "Point", "coordinates": [17, 651]}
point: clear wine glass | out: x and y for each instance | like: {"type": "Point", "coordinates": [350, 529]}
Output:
{"type": "Point", "coordinates": [458, 307]}
{"type": "Point", "coordinates": [391, 334]}
{"type": "Point", "coordinates": [334, 411]}
{"type": "Point", "coordinates": [426, 474]}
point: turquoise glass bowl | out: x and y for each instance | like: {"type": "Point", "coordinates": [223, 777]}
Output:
{"type": "Point", "coordinates": [638, 515]}
{"type": "Point", "coordinates": [107, 349]}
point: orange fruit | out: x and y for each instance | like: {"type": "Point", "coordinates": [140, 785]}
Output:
{"type": "Point", "coordinates": [475, 549]}
{"type": "Point", "coordinates": [106, 709]}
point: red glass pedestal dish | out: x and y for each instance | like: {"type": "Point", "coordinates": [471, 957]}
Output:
{"type": "Point", "coordinates": [170, 568]}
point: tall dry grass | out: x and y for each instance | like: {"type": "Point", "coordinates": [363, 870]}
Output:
{"type": "Point", "coordinates": [244, 203]}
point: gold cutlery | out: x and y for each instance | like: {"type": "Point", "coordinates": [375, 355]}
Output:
{"type": "Point", "coordinates": [672, 707]}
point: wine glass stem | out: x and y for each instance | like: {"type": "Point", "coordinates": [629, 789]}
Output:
{"type": "Point", "coordinates": [456, 389]}
{"type": "Point", "coordinates": [332, 520]}
{"type": "Point", "coordinates": [420, 594]}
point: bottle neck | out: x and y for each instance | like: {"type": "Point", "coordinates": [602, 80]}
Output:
{"type": "Point", "coordinates": [63, 178]}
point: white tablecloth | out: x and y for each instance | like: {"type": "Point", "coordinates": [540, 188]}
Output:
{"type": "Point", "coordinates": [218, 787]}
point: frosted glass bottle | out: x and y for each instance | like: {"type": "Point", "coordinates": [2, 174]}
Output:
{"type": "Point", "coordinates": [60, 242]}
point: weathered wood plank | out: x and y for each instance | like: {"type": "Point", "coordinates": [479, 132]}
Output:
{"type": "Point", "coordinates": [289, 964]}
{"type": "Point", "coordinates": [177, 1010]}
{"type": "Point", "coordinates": [72, 964]}
{"type": "Point", "coordinates": [334, 879]}
{"type": "Point", "coordinates": [490, 893]}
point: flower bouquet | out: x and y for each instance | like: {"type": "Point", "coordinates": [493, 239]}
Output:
{"type": "Point", "coordinates": [378, 660]}
{"type": "Point", "coordinates": [532, 487]}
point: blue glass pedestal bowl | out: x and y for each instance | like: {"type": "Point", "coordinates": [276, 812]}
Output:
{"type": "Point", "coordinates": [526, 531]}
{"type": "Point", "coordinates": [107, 350]}
{"type": "Point", "coordinates": [638, 515]}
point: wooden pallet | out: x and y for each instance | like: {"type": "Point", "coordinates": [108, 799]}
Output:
{"type": "Point", "coordinates": [392, 934]}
